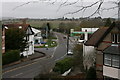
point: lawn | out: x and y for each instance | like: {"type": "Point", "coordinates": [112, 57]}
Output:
{"type": "Point", "coordinates": [50, 44]}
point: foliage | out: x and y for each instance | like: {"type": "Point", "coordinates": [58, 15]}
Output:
{"type": "Point", "coordinates": [78, 57]}
{"type": "Point", "coordinates": [10, 56]}
{"type": "Point", "coordinates": [50, 44]}
{"type": "Point", "coordinates": [92, 23]}
{"type": "Point", "coordinates": [15, 39]}
{"type": "Point", "coordinates": [63, 65]}
{"type": "Point", "coordinates": [91, 74]}
{"type": "Point", "coordinates": [108, 22]}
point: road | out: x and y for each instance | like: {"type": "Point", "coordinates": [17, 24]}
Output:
{"type": "Point", "coordinates": [39, 66]}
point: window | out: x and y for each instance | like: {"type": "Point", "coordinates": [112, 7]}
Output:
{"type": "Point", "coordinates": [82, 37]}
{"type": "Point", "coordinates": [115, 38]}
{"type": "Point", "coordinates": [115, 61]}
{"type": "Point", "coordinates": [112, 60]}
{"type": "Point", "coordinates": [118, 38]}
{"type": "Point", "coordinates": [107, 59]}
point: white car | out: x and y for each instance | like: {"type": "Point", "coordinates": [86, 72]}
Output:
{"type": "Point", "coordinates": [70, 52]}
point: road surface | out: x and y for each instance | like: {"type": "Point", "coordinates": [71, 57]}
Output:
{"type": "Point", "coordinates": [32, 68]}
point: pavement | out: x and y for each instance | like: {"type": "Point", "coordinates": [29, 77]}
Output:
{"type": "Point", "coordinates": [36, 55]}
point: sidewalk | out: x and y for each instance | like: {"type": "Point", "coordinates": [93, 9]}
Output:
{"type": "Point", "coordinates": [36, 55]}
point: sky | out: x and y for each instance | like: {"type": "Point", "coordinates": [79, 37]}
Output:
{"type": "Point", "coordinates": [44, 9]}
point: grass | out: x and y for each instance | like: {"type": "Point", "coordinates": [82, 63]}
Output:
{"type": "Point", "coordinates": [63, 65]}
{"type": "Point", "coordinates": [50, 44]}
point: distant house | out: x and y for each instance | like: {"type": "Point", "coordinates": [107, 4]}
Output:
{"type": "Point", "coordinates": [30, 36]}
{"type": "Point", "coordinates": [106, 42]}
{"type": "Point", "coordinates": [37, 36]}
{"type": "Point", "coordinates": [84, 34]}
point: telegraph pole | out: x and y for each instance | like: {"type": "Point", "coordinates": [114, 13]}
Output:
{"type": "Point", "coordinates": [68, 40]}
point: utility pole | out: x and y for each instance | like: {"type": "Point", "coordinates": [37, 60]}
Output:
{"type": "Point", "coordinates": [119, 11]}
{"type": "Point", "coordinates": [68, 40]}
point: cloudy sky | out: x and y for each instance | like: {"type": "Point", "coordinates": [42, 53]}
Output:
{"type": "Point", "coordinates": [45, 9]}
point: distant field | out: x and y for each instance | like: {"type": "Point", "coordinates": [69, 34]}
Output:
{"type": "Point", "coordinates": [53, 24]}
{"type": "Point", "coordinates": [76, 24]}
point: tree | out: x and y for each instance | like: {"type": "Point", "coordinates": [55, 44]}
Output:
{"type": "Point", "coordinates": [78, 57]}
{"type": "Point", "coordinates": [14, 39]}
{"type": "Point", "coordinates": [62, 27]}
{"type": "Point", "coordinates": [91, 74]}
{"type": "Point", "coordinates": [108, 22]}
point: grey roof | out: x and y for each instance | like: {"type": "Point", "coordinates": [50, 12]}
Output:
{"type": "Point", "coordinates": [112, 50]}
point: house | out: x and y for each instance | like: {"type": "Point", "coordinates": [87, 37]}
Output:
{"type": "Point", "coordinates": [106, 43]}
{"type": "Point", "coordinates": [84, 34]}
{"type": "Point", "coordinates": [37, 36]}
{"type": "Point", "coordinates": [30, 36]}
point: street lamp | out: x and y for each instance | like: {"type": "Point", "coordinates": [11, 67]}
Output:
{"type": "Point", "coordinates": [68, 40]}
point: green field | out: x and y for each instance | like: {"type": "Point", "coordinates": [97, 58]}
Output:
{"type": "Point", "coordinates": [54, 24]}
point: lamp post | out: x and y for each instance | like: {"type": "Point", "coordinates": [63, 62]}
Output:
{"type": "Point", "coordinates": [68, 40]}
{"type": "Point", "coordinates": [46, 47]}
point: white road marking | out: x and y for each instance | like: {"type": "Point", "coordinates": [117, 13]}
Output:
{"type": "Point", "coordinates": [55, 48]}
{"type": "Point", "coordinates": [18, 68]}
{"type": "Point", "coordinates": [61, 57]}
{"type": "Point", "coordinates": [16, 75]}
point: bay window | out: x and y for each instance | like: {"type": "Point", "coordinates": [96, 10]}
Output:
{"type": "Point", "coordinates": [112, 60]}
{"type": "Point", "coordinates": [115, 61]}
{"type": "Point", "coordinates": [107, 59]}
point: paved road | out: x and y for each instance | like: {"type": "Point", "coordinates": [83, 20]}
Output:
{"type": "Point", "coordinates": [43, 65]}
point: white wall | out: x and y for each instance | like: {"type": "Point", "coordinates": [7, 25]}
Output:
{"type": "Point", "coordinates": [89, 29]}
{"type": "Point", "coordinates": [89, 56]}
{"type": "Point", "coordinates": [30, 49]}
{"type": "Point", "coordinates": [111, 72]}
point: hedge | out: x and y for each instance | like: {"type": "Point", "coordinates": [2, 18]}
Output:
{"type": "Point", "coordinates": [63, 65]}
{"type": "Point", "coordinates": [10, 56]}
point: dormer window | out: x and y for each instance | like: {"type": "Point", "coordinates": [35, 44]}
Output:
{"type": "Point", "coordinates": [115, 38]}
{"type": "Point", "coordinates": [6, 27]}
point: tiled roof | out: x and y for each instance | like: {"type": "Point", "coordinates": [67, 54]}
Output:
{"type": "Point", "coordinates": [96, 36]}
{"type": "Point", "coordinates": [24, 26]}
{"type": "Point", "coordinates": [112, 49]}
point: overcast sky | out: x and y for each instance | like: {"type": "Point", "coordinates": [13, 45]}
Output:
{"type": "Point", "coordinates": [42, 9]}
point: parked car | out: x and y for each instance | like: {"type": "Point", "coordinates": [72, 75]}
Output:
{"type": "Point", "coordinates": [70, 52]}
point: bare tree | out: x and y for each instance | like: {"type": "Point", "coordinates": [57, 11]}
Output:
{"type": "Point", "coordinates": [82, 8]}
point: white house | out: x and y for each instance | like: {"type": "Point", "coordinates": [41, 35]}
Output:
{"type": "Point", "coordinates": [30, 36]}
{"type": "Point", "coordinates": [88, 51]}
{"type": "Point", "coordinates": [37, 36]}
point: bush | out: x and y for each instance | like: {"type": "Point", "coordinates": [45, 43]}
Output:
{"type": "Point", "coordinates": [11, 56]}
{"type": "Point", "coordinates": [91, 74]}
{"type": "Point", "coordinates": [63, 65]}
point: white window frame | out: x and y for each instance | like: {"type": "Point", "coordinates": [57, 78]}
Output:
{"type": "Point", "coordinates": [118, 38]}
{"type": "Point", "coordinates": [113, 60]}
{"type": "Point", "coordinates": [114, 38]}
{"type": "Point", "coordinates": [107, 59]}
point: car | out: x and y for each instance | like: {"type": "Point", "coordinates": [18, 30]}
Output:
{"type": "Point", "coordinates": [70, 52]}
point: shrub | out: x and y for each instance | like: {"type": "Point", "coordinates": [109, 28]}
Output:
{"type": "Point", "coordinates": [91, 74]}
{"type": "Point", "coordinates": [11, 56]}
{"type": "Point", "coordinates": [63, 65]}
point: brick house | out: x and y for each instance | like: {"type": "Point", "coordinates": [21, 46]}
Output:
{"type": "Point", "coordinates": [104, 40]}
{"type": "Point", "coordinates": [30, 38]}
